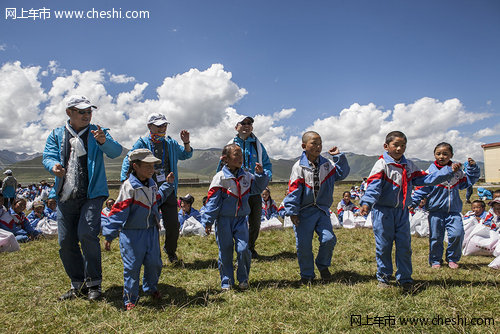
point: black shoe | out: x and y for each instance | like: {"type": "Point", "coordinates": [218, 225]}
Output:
{"type": "Point", "coordinates": [306, 281]}
{"type": "Point", "coordinates": [255, 255]}
{"type": "Point", "coordinates": [325, 274]}
{"type": "Point", "coordinates": [95, 292]}
{"type": "Point", "coordinates": [74, 293]}
{"type": "Point", "coordinates": [408, 288]}
{"type": "Point", "coordinates": [173, 259]}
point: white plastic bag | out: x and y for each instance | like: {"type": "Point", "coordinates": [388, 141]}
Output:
{"type": "Point", "coordinates": [335, 221]}
{"type": "Point", "coordinates": [192, 226]}
{"type": "Point", "coordinates": [482, 241]}
{"type": "Point", "coordinates": [287, 222]}
{"type": "Point", "coordinates": [8, 242]}
{"type": "Point", "coordinates": [47, 226]}
{"type": "Point", "coordinates": [270, 224]}
{"type": "Point", "coordinates": [469, 225]}
{"type": "Point", "coordinates": [419, 224]}
{"type": "Point", "coordinates": [495, 264]}
{"type": "Point", "coordinates": [369, 222]}
{"type": "Point", "coordinates": [348, 220]}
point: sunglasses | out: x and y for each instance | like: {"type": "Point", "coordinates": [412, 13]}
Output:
{"type": "Point", "coordinates": [83, 111]}
{"type": "Point", "coordinates": [246, 123]}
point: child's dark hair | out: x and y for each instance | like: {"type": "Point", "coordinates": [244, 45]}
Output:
{"type": "Point", "coordinates": [483, 205]}
{"type": "Point", "coordinates": [497, 192]}
{"type": "Point", "coordinates": [131, 167]}
{"type": "Point", "coordinates": [227, 150]}
{"type": "Point", "coordinates": [17, 200]}
{"type": "Point", "coordinates": [269, 191]}
{"type": "Point", "coordinates": [444, 144]}
{"type": "Point", "coordinates": [346, 192]}
{"type": "Point", "coordinates": [393, 135]}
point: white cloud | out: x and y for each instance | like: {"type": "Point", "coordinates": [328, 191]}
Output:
{"type": "Point", "coordinates": [203, 102]}
{"type": "Point", "coordinates": [3, 47]}
{"type": "Point", "coordinates": [121, 78]}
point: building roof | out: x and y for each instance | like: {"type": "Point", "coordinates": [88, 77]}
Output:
{"type": "Point", "coordinates": [490, 145]}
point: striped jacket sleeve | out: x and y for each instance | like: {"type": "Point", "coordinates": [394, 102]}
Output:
{"type": "Point", "coordinates": [120, 212]}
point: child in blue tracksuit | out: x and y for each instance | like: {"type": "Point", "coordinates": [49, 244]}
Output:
{"type": "Point", "coordinates": [444, 206]}
{"type": "Point", "coordinates": [187, 210]}
{"type": "Point", "coordinates": [135, 218]}
{"type": "Point", "coordinates": [19, 224]}
{"type": "Point", "coordinates": [227, 206]}
{"type": "Point", "coordinates": [310, 195]}
{"type": "Point", "coordinates": [269, 208]}
{"type": "Point", "coordinates": [388, 196]}
{"type": "Point", "coordinates": [36, 215]}
{"type": "Point", "coordinates": [344, 205]}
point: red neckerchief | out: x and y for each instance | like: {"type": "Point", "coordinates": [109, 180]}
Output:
{"type": "Point", "coordinates": [404, 183]}
{"type": "Point", "coordinates": [237, 181]}
{"type": "Point", "coordinates": [439, 166]}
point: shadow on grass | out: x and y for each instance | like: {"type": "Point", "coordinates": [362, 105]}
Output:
{"type": "Point", "coordinates": [341, 277]}
{"type": "Point", "coordinates": [172, 296]}
{"type": "Point", "coordinates": [205, 264]}
{"type": "Point", "coordinates": [279, 256]}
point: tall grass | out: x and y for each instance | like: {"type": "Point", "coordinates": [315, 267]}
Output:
{"type": "Point", "coordinates": [32, 279]}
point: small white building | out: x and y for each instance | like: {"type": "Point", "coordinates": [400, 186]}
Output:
{"type": "Point", "coordinates": [491, 162]}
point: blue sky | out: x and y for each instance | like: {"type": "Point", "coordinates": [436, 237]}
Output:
{"type": "Point", "coordinates": [313, 57]}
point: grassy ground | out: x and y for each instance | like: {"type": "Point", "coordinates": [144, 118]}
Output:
{"type": "Point", "coordinates": [32, 279]}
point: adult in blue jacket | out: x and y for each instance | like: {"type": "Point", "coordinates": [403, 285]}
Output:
{"type": "Point", "coordinates": [169, 151]}
{"type": "Point", "coordinates": [74, 155]}
{"type": "Point", "coordinates": [253, 152]}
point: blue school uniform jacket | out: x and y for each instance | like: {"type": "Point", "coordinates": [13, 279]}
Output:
{"type": "Point", "coordinates": [54, 153]}
{"type": "Point", "coordinates": [136, 207]}
{"type": "Point", "coordinates": [228, 194]}
{"type": "Point", "coordinates": [183, 216]}
{"type": "Point", "coordinates": [176, 152]}
{"type": "Point", "coordinates": [301, 184]}
{"type": "Point", "coordinates": [390, 183]}
{"type": "Point", "coordinates": [16, 223]}
{"type": "Point", "coordinates": [269, 209]}
{"type": "Point", "coordinates": [445, 197]}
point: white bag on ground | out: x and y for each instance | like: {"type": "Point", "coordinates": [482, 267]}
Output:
{"type": "Point", "coordinates": [335, 221]}
{"type": "Point", "coordinates": [495, 264]}
{"type": "Point", "coordinates": [287, 222]}
{"type": "Point", "coordinates": [482, 241]}
{"type": "Point", "coordinates": [369, 222]}
{"type": "Point", "coordinates": [469, 225]}
{"type": "Point", "coordinates": [270, 224]}
{"type": "Point", "coordinates": [8, 242]}
{"type": "Point", "coordinates": [348, 220]}
{"type": "Point", "coordinates": [47, 226]}
{"type": "Point", "coordinates": [419, 224]}
{"type": "Point", "coordinates": [192, 226]}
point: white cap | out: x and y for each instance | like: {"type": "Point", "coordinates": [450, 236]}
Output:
{"type": "Point", "coordinates": [157, 119]}
{"type": "Point", "coordinates": [8, 172]}
{"type": "Point", "coordinates": [79, 102]}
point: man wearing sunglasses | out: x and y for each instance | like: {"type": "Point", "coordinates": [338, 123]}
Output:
{"type": "Point", "coordinates": [253, 151]}
{"type": "Point", "coordinates": [169, 151]}
{"type": "Point", "coordinates": [74, 155]}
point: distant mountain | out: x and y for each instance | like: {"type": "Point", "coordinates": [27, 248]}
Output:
{"type": "Point", "coordinates": [203, 165]}
{"type": "Point", "coordinates": [8, 158]}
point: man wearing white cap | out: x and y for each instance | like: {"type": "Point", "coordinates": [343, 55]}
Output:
{"type": "Point", "coordinates": [169, 151]}
{"type": "Point", "coordinates": [9, 187]}
{"type": "Point", "coordinates": [74, 155]}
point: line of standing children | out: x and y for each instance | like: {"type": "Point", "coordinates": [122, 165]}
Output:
{"type": "Point", "coordinates": [227, 207]}
{"type": "Point", "coordinates": [445, 206]}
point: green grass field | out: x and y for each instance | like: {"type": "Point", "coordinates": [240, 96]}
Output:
{"type": "Point", "coordinates": [32, 279]}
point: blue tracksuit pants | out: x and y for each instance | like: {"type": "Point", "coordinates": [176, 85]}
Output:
{"type": "Point", "coordinates": [140, 247]}
{"type": "Point", "coordinates": [452, 222]}
{"type": "Point", "coordinates": [227, 229]}
{"type": "Point", "coordinates": [392, 225]}
{"type": "Point", "coordinates": [311, 220]}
